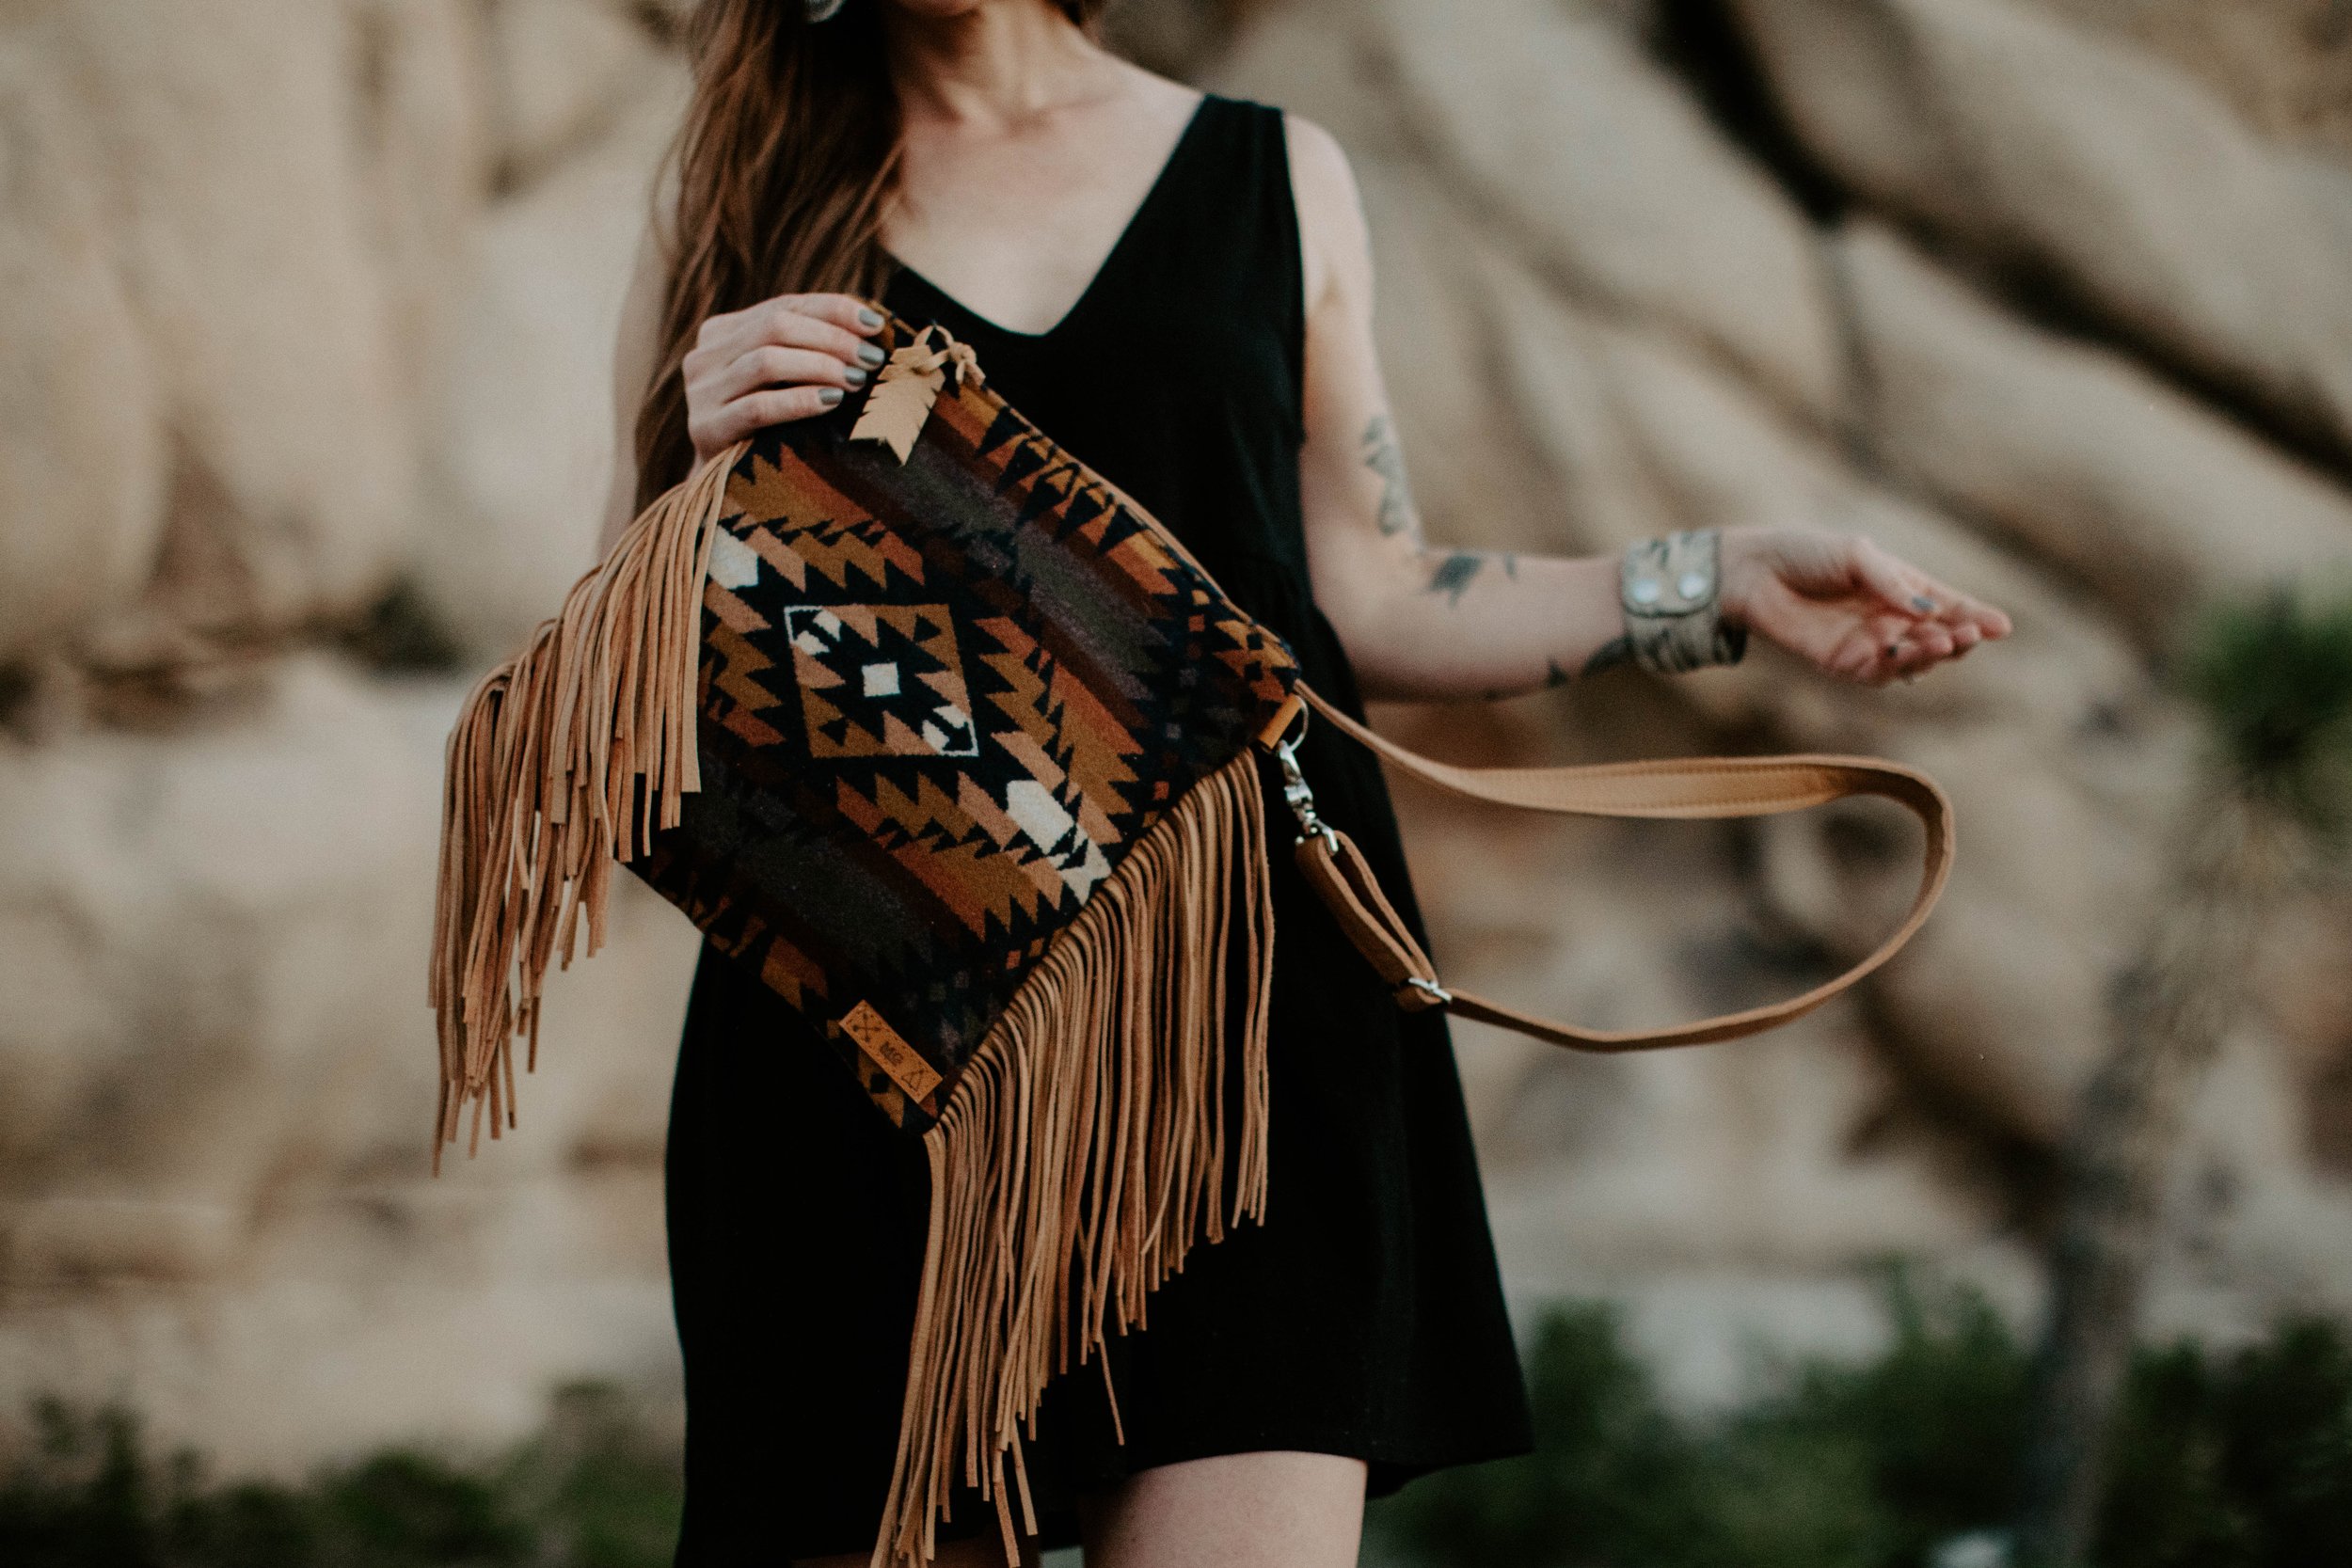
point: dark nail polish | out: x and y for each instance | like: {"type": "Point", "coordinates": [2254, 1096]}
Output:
{"type": "Point", "coordinates": [872, 352]}
{"type": "Point", "coordinates": [828, 396]}
{"type": "Point", "coordinates": [868, 317]}
{"type": "Point", "coordinates": [1921, 603]}
{"type": "Point", "coordinates": [854, 376]}
{"type": "Point", "coordinates": [1894, 649]}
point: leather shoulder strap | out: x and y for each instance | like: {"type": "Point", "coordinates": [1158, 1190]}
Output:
{"type": "Point", "coordinates": [1689, 788]}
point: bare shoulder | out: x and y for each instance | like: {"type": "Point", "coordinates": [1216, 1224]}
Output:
{"type": "Point", "coordinates": [1337, 247]}
{"type": "Point", "coordinates": [1318, 165]}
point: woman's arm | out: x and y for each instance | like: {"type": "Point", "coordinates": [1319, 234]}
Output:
{"type": "Point", "coordinates": [633, 360]}
{"type": "Point", "coordinates": [1424, 623]}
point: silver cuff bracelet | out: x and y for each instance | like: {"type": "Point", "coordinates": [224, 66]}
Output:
{"type": "Point", "coordinates": [1672, 593]}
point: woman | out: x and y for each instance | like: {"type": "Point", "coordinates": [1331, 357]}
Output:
{"type": "Point", "coordinates": [1178, 289]}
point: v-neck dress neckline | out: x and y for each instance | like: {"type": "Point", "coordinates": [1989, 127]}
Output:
{"type": "Point", "coordinates": [1154, 197]}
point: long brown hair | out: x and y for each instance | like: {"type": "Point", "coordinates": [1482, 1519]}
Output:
{"type": "Point", "coordinates": [785, 168]}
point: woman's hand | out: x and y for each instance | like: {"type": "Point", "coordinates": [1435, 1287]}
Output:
{"type": "Point", "coordinates": [783, 359]}
{"type": "Point", "coordinates": [1847, 606]}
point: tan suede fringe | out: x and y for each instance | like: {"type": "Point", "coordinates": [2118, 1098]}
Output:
{"type": "Point", "coordinates": [1083, 1153]}
{"type": "Point", "coordinates": [563, 760]}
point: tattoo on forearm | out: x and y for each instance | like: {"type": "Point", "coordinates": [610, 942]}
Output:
{"type": "Point", "coordinates": [1617, 650]}
{"type": "Point", "coordinates": [1554, 676]}
{"type": "Point", "coordinates": [1452, 572]}
{"type": "Point", "coordinates": [1384, 457]}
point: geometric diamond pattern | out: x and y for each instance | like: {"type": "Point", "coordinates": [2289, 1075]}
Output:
{"type": "Point", "coordinates": [939, 700]}
{"type": "Point", "coordinates": [880, 680]}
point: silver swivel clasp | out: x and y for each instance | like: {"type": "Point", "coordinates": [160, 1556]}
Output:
{"type": "Point", "coordinates": [1296, 795]}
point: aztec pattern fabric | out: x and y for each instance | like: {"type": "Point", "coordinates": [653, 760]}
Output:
{"type": "Point", "coordinates": [942, 700]}
{"type": "Point", "coordinates": [954, 746]}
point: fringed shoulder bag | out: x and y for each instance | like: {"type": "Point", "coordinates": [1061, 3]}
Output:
{"type": "Point", "coordinates": [948, 740]}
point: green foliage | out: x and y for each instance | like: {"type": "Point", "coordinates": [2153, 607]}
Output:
{"type": "Point", "coordinates": [1907, 1434]}
{"type": "Point", "coordinates": [2236, 1462]}
{"type": "Point", "coordinates": [2222, 1462]}
{"type": "Point", "coordinates": [1614, 1478]}
{"type": "Point", "coordinates": [2275, 679]}
{"type": "Point", "coordinates": [593, 1491]}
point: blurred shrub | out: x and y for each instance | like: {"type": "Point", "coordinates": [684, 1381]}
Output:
{"type": "Point", "coordinates": [595, 1490]}
{"type": "Point", "coordinates": [2236, 1461]}
{"type": "Point", "coordinates": [2274, 677]}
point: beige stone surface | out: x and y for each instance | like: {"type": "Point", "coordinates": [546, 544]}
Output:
{"type": "Point", "coordinates": [1579, 150]}
{"type": "Point", "coordinates": [83, 473]}
{"type": "Point", "coordinates": [1321, 59]}
{"type": "Point", "coordinates": [521, 425]}
{"type": "Point", "coordinates": [278, 189]}
{"type": "Point", "coordinates": [2023, 141]}
{"type": "Point", "coordinates": [420, 124]}
{"type": "Point", "coordinates": [2155, 500]}
{"type": "Point", "coordinates": [219, 1073]}
{"type": "Point", "coordinates": [562, 72]}
{"type": "Point", "coordinates": [2282, 63]}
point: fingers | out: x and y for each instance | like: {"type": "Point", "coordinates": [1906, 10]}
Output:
{"type": "Point", "coordinates": [783, 367]}
{"type": "Point", "coordinates": [776, 327]}
{"type": "Point", "coordinates": [829, 323]}
{"type": "Point", "coordinates": [1855, 642]}
{"type": "Point", "coordinates": [1851, 639]}
{"type": "Point", "coordinates": [835, 323]}
{"type": "Point", "coordinates": [1895, 583]}
{"type": "Point", "coordinates": [753, 411]}
{"type": "Point", "coordinates": [846, 311]}
{"type": "Point", "coordinates": [1986, 621]}
{"type": "Point", "coordinates": [1860, 613]}
{"type": "Point", "coordinates": [1913, 653]}
{"type": "Point", "coordinates": [1913, 595]}
{"type": "Point", "coordinates": [1959, 613]}
{"type": "Point", "coordinates": [839, 324]}
{"type": "Point", "coordinates": [1933, 623]}
{"type": "Point", "coordinates": [783, 359]}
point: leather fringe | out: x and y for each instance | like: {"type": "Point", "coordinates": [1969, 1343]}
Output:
{"type": "Point", "coordinates": [1083, 1153]}
{"type": "Point", "coordinates": [563, 760]}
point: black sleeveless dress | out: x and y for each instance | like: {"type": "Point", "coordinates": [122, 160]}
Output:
{"type": "Point", "coordinates": [1365, 1317]}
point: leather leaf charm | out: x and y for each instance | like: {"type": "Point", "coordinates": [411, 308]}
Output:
{"type": "Point", "coordinates": [901, 399]}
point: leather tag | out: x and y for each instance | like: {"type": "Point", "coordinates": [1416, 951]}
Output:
{"type": "Point", "coordinates": [884, 1046]}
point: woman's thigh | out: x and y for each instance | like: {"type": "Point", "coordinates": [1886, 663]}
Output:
{"type": "Point", "coordinates": [1279, 1509]}
{"type": "Point", "coordinates": [956, 1554]}
{"type": "Point", "coordinates": [1273, 1510]}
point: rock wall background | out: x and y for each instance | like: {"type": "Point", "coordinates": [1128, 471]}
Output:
{"type": "Point", "coordinates": [305, 318]}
